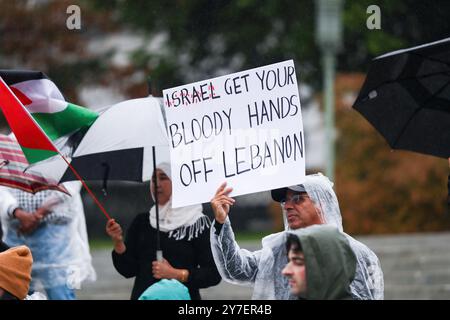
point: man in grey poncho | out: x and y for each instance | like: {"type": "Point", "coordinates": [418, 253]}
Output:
{"type": "Point", "coordinates": [312, 202]}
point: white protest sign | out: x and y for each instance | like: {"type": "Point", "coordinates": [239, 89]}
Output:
{"type": "Point", "coordinates": [244, 128]}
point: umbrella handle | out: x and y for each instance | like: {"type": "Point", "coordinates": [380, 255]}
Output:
{"type": "Point", "coordinates": [159, 255]}
{"type": "Point", "coordinates": [105, 178]}
{"type": "Point", "coordinates": [4, 163]}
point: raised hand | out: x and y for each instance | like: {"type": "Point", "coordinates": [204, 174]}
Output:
{"type": "Point", "coordinates": [221, 203]}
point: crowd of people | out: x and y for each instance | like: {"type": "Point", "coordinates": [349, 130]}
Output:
{"type": "Point", "coordinates": [44, 252]}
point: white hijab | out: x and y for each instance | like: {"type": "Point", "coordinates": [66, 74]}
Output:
{"type": "Point", "coordinates": [178, 221]}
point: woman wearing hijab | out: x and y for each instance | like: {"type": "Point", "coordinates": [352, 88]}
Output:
{"type": "Point", "coordinates": [184, 239]}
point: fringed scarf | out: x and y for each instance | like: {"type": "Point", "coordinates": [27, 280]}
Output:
{"type": "Point", "coordinates": [180, 222]}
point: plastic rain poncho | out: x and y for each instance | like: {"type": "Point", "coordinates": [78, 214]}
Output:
{"type": "Point", "coordinates": [59, 244]}
{"type": "Point", "coordinates": [262, 268]}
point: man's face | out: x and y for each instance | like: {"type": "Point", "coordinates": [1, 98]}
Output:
{"type": "Point", "coordinates": [295, 270]}
{"type": "Point", "coordinates": [300, 210]}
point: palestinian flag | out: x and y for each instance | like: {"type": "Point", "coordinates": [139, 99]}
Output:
{"type": "Point", "coordinates": [118, 145]}
{"type": "Point", "coordinates": [48, 108]}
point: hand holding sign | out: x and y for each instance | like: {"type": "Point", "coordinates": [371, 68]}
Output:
{"type": "Point", "coordinates": [221, 203]}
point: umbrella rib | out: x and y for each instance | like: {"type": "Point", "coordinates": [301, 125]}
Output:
{"type": "Point", "coordinates": [417, 110]}
{"type": "Point", "coordinates": [429, 58]}
{"type": "Point", "coordinates": [411, 78]}
{"type": "Point", "coordinates": [417, 77]}
{"type": "Point", "coordinates": [406, 78]}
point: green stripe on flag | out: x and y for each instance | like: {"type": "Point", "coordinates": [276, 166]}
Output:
{"type": "Point", "coordinates": [58, 124]}
{"type": "Point", "coordinates": [36, 155]}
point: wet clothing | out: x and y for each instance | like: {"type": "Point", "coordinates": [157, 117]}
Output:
{"type": "Point", "coordinates": [59, 244]}
{"type": "Point", "coordinates": [194, 255]}
{"type": "Point", "coordinates": [262, 269]}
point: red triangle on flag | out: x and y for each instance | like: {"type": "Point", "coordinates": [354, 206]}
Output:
{"type": "Point", "coordinates": [25, 128]}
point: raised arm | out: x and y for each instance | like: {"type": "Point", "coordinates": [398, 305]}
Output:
{"type": "Point", "coordinates": [235, 265]}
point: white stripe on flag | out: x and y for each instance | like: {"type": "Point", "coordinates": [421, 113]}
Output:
{"type": "Point", "coordinates": [44, 94]}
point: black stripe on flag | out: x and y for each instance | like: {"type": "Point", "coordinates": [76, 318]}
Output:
{"type": "Point", "coordinates": [15, 76]}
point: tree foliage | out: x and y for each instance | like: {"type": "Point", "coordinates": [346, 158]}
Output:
{"type": "Point", "coordinates": [382, 190]}
{"type": "Point", "coordinates": [213, 36]}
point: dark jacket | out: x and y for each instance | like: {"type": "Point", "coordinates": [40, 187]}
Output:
{"type": "Point", "coordinates": [3, 246]}
{"type": "Point", "coordinates": [329, 261]}
{"type": "Point", "coordinates": [194, 255]}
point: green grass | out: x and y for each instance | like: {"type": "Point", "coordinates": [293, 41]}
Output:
{"type": "Point", "coordinates": [100, 243]}
{"type": "Point", "coordinates": [250, 236]}
{"type": "Point", "coordinates": [106, 243]}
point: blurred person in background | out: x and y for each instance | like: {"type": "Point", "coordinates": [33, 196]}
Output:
{"type": "Point", "coordinates": [52, 225]}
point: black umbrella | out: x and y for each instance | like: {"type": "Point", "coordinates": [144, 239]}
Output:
{"type": "Point", "coordinates": [406, 97]}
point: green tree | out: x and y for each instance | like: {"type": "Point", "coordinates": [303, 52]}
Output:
{"type": "Point", "coordinates": [213, 36]}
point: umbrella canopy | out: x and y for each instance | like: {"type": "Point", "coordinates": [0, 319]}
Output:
{"type": "Point", "coordinates": [12, 166]}
{"type": "Point", "coordinates": [406, 97]}
{"type": "Point", "coordinates": [118, 145]}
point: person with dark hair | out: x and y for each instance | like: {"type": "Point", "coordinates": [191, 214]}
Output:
{"type": "Point", "coordinates": [321, 263]}
{"type": "Point", "coordinates": [185, 244]}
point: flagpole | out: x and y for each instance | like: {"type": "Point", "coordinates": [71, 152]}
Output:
{"type": "Point", "coordinates": [159, 253]}
{"type": "Point", "coordinates": [86, 187]}
{"type": "Point", "coordinates": [159, 256]}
